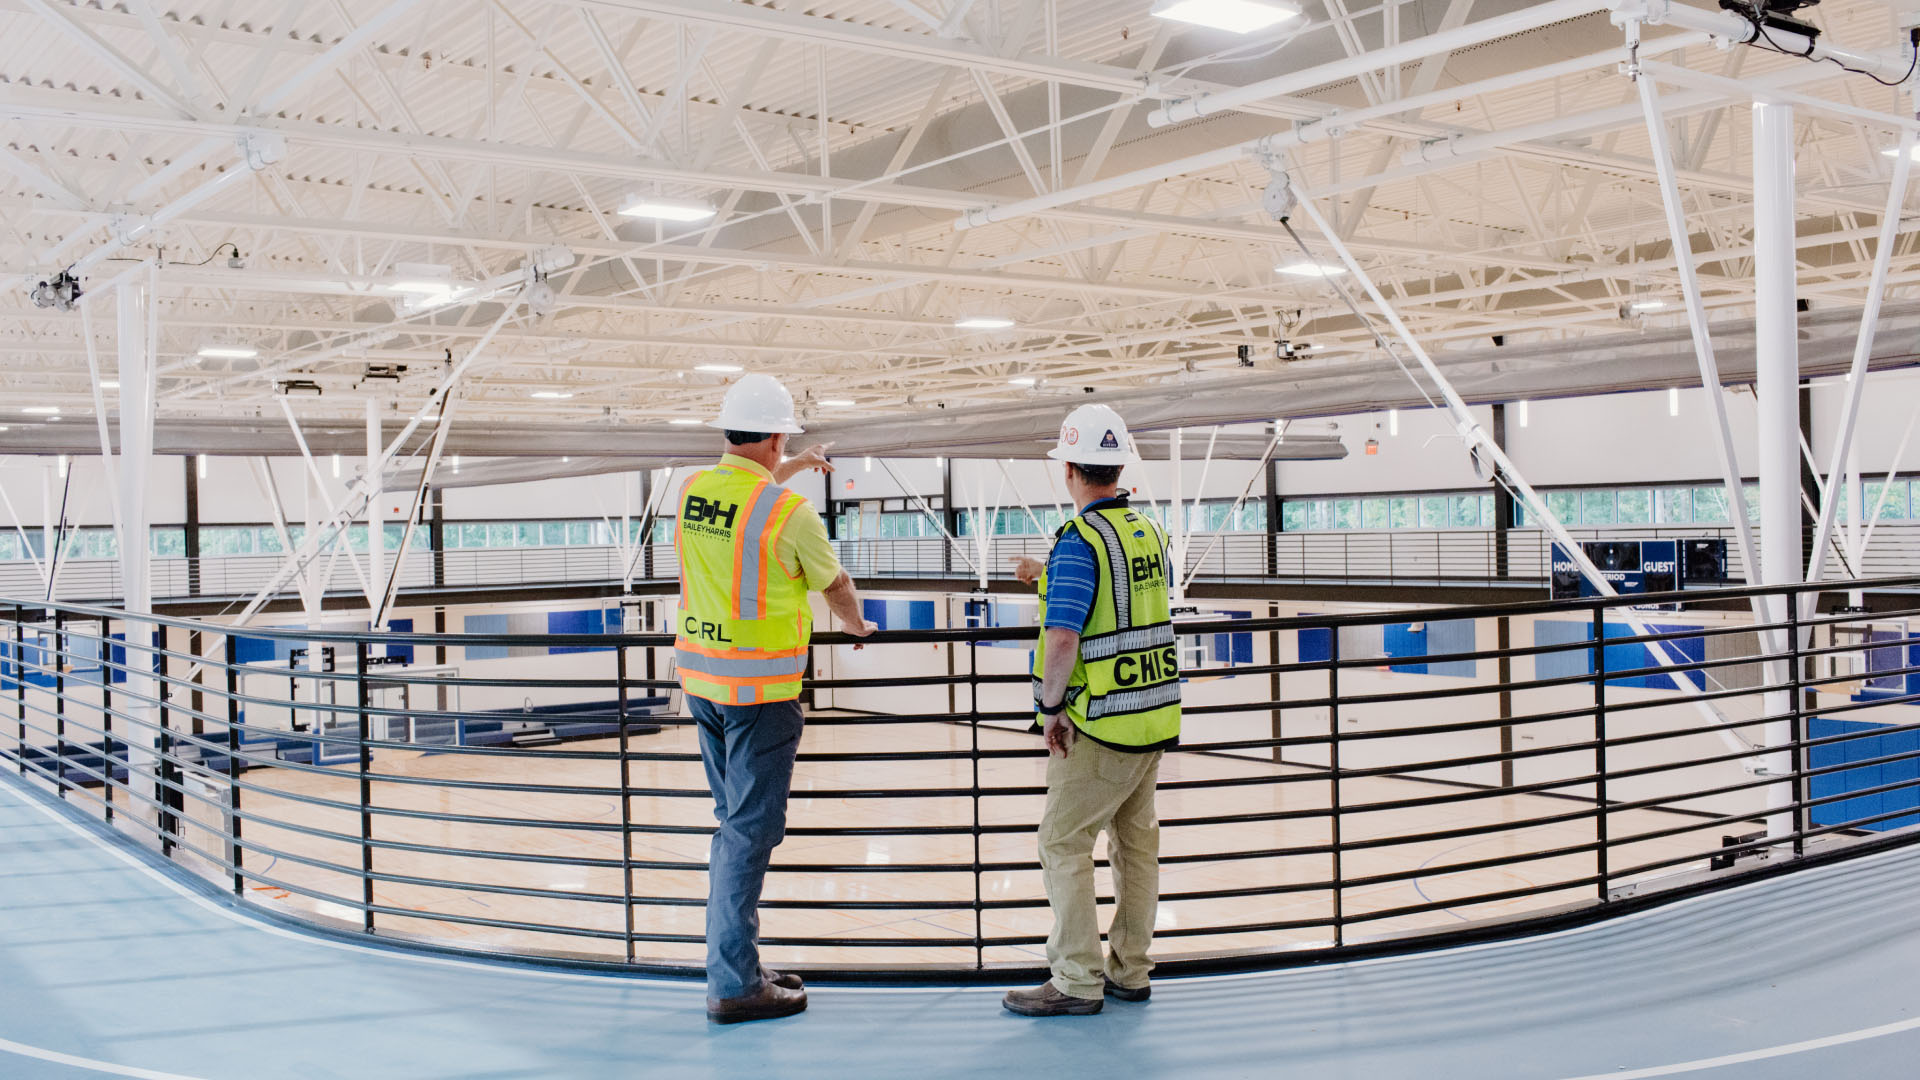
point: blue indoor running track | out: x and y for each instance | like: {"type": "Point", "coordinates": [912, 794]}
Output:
{"type": "Point", "coordinates": [110, 966]}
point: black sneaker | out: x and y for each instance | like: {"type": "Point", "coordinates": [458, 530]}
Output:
{"type": "Point", "coordinates": [1127, 993]}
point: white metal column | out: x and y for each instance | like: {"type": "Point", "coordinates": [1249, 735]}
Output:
{"type": "Point", "coordinates": [134, 342]}
{"type": "Point", "coordinates": [376, 523]}
{"type": "Point", "coordinates": [1777, 385]}
{"type": "Point", "coordinates": [1176, 521]}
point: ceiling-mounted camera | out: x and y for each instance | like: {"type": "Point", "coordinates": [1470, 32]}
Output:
{"type": "Point", "coordinates": [60, 292]}
{"type": "Point", "coordinates": [1774, 15]}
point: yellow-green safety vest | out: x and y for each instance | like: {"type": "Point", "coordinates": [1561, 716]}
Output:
{"type": "Point", "coordinates": [744, 620]}
{"type": "Point", "coordinates": [1125, 689]}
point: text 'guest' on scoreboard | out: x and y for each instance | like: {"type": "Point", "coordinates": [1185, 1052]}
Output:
{"type": "Point", "coordinates": [1635, 567]}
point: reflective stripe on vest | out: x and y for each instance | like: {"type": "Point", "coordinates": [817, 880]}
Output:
{"type": "Point", "coordinates": [744, 621]}
{"type": "Point", "coordinates": [1125, 687]}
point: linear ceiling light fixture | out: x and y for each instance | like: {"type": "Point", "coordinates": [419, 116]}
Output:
{"type": "Point", "coordinates": [720, 369]}
{"type": "Point", "coordinates": [553, 395]}
{"type": "Point", "coordinates": [984, 322]}
{"type": "Point", "coordinates": [838, 403]}
{"type": "Point", "coordinates": [1311, 270]}
{"type": "Point", "coordinates": [1237, 16]}
{"type": "Point", "coordinates": [228, 352]}
{"type": "Point", "coordinates": [661, 208]}
{"type": "Point", "coordinates": [41, 410]}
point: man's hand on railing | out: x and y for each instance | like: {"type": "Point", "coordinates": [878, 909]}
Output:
{"type": "Point", "coordinates": [1027, 568]}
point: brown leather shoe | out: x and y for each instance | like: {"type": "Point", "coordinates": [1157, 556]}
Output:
{"type": "Point", "coordinates": [784, 980]}
{"type": "Point", "coordinates": [1127, 993]}
{"type": "Point", "coordinates": [769, 1002]}
{"type": "Point", "coordinates": [1047, 1000]}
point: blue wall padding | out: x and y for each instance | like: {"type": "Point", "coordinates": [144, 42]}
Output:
{"type": "Point", "coordinates": [253, 650]}
{"type": "Point", "coordinates": [1316, 645]}
{"type": "Point", "coordinates": [898, 614]}
{"type": "Point", "coordinates": [486, 624]}
{"type": "Point", "coordinates": [1450, 637]}
{"type": "Point", "coordinates": [36, 657]}
{"type": "Point", "coordinates": [994, 613]}
{"type": "Point", "coordinates": [1626, 657]}
{"type": "Point", "coordinates": [1400, 640]}
{"type": "Point", "coordinates": [592, 621]}
{"type": "Point", "coordinates": [1889, 658]}
{"type": "Point", "coordinates": [1846, 811]}
{"type": "Point", "coordinates": [1233, 648]}
{"type": "Point", "coordinates": [405, 652]}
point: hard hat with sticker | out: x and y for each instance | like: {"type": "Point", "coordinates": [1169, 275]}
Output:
{"type": "Point", "coordinates": [1113, 446]}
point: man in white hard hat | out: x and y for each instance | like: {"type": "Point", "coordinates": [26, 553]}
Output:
{"type": "Point", "coordinates": [1106, 680]}
{"type": "Point", "coordinates": [750, 551]}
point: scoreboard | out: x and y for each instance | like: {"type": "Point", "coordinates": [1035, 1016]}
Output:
{"type": "Point", "coordinates": [1636, 567]}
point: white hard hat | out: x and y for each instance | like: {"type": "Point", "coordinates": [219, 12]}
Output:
{"type": "Point", "coordinates": [1094, 435]}
{"type": "Point", "coordinates": [757, 403]}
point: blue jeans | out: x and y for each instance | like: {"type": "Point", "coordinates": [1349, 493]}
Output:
{"type": "Point", "coordinates": [748, 751]}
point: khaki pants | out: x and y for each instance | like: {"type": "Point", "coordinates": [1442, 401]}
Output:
{"type": "Point", "coordinates": [1091, 789]}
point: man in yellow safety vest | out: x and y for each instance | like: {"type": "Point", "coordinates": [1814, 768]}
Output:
{"type": "Point", "coordinates": [1106, 678]}
{"type": "Point", "coordinates": [750, 551]}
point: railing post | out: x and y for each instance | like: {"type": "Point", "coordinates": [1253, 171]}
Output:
{"type": "Point", "coordinates": [366, 784]}
{"type": "Point", "coordinates": [164, 774]}
{"type": "Point", "coordinates": [1333, 772]}
{"type": "Point", "coordinates": [234, 851]}
{"type": "Point", "coordinates": [973, 727]}
{"type": "Point", "coordinates": [20, 685]}
{"type": "Point", "coordinates": [106, 718]}
{"type": "Point", "coordinates": [626, 797]}
{"type": "Point", "coordinates": [60, 702]}
{"type": "Point", "coordinates": [1800, 808]}
{"type": "Point", "coordinates": [1600, 745]}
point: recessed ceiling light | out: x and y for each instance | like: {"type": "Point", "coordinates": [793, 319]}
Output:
{"type": "Point", "coordinates": [228, 352]}
{"type": "Point", "coordinates": [1238, 16]}
{"type": "Point", "coordinates": [1311, 269]}
{"type": "Point", "coordinates": [683, 421]}
{"type": "Point", "coordinates": [1646, 305]}
{"type": "Point", "coordinates": [1021, 380]}
{"type": "Point", "coordinates": [3, 427]}
{"type": "Point", "coordinates": [660, 208]}
{"type": "Point", "coordinates": [109, 384]}
{"type": "Point", "coordinates": [41, 410]}
{"type": "Point", "coordinates": [983, 322]}
{"type": "Point", "coordinates": [553, 395]}
{"type": "Point", "coordinates": [837, 403]}
{"type": "Point", "coordinates": [720, 369]}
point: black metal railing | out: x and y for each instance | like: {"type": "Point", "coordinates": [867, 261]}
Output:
{"type": "Point", "coordinates": [1398, 557]}
{"type": "Point", "coordinates": [1342, 784]}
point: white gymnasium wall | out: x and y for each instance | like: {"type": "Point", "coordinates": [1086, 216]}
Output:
{"type": "Point", "coordinates": [231, 495]}
{"type": "Point", "coordinates": [26, 480]}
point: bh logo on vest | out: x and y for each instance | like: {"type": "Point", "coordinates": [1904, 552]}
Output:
{"type": "Point", "coordinates": [701, 510]}
{"type": "Point", "coordinates": [1146, 568]}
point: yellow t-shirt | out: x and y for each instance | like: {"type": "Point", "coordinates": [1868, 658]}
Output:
{"type": "Point", "coordinates": [803, 547]}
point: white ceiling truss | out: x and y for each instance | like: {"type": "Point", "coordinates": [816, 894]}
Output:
{"type": "Point", "coordinates": [840, 141]}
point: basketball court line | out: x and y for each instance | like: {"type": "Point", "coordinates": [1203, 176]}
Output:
{"type": "Point", "coordinates": [8, 1046]}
